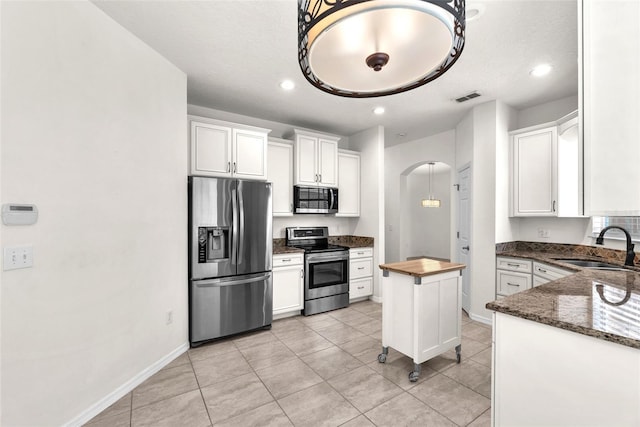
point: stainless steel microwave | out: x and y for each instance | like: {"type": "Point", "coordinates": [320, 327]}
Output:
{"type": "Point", "coordinates": [314, 200]}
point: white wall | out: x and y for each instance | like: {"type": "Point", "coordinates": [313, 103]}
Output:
{"type": "Point", "coordinates": [506, 227]}
{"type": "Point", "coordinates": [547, 112]}
{"type": "Point", "coordinates": [400, 160]}
{"type": "Point", "coordinates": [370, 144]}
{"type": "Point", "coordinates": [337, 226]}
{"type": "Point", "coordinates": [94, 133]}
{"type": "Point", "coordinates": [430, 228]}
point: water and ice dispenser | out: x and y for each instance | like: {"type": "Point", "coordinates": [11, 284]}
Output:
{"type": "Point", "coordinates": [213, 244]}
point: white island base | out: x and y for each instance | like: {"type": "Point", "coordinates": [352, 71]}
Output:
{"type": "Point", "coordinates": [547, 376]}
{"type": "Point", "coordinates": [421, 316]}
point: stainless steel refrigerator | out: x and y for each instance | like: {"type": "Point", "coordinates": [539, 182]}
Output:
{"type": "Point", "coordinates": [230, 249]}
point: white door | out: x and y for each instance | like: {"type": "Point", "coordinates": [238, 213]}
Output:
{"type": "Point", "coordinates": [464, 232]}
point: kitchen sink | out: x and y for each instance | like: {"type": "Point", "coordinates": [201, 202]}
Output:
{"type": "Point", "coordinates": [597, 265]}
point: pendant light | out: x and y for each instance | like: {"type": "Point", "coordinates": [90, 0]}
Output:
{"type": "Point", "coordinates": [369, 48]}
{"type": "Point", "coordinates": [430, 202]}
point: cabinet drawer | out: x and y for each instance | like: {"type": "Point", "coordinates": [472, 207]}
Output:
{"type": "Point", "coordinates": [360, 288]}
{"type": "Point", "coordinates": [360, 253]}
{"type": "Point", "coordinates": [360, 268]}
{"type": "Point", "coordinates": [287, 259]}
{"type": "Point", "coordinates": [512, 282]}
{"type": "Point", "coordinates": [513, 264]}
{"type": "Point", "coordinates": [550, 273]}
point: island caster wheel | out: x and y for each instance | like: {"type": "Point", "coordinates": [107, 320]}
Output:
{"type": "Point", "coordinates": [382, 358]}
{"type": "Point", "coordinates": [458, 358]}
{"type": "Point", "coordinates": [458, 353]}
{"type": "Point", "coordinates": [413, 376]}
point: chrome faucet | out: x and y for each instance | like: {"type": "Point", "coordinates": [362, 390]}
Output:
{"type": "Point", "coordinates": [631, 255]}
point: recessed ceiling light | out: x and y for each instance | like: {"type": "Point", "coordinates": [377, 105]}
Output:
{"type": "Point", "coordinates": [378, 110]}
{"type": "Point", "coordinates": [540, 70]}
{"type": "Point", "coordinates": [287, 84]}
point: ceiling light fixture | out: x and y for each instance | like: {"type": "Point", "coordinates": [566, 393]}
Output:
{"type": "Point", "coordinates": [369, 48]}
{"type": "Point", "coordinates": [540, 70]}
{"type": "Point", "coordinates": [378, 110]}
{"type": "Point", "coordinates": [287, 84]}
{"type": "Point", "coordinates": [430, 202]}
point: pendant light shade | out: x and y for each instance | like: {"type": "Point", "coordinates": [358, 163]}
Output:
{"type": "Point", "coordinates": [369, 48]}
{"type": "Point", "coordinates": [431, 202]}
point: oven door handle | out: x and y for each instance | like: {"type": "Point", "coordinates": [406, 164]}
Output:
{"type": "Point", "coordinates": [316, 259]}
{"type": "Point", "coordinates": [331, 192]}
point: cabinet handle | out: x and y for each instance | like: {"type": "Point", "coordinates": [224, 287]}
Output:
{"type": "Point", "coordinates": [228, 166]}
{"type": "Point", "coordinates": [286, 260]}
{"type": "Point", "coordinates": [514, 265]}
{"type": "Point", "coordinates": [360, 287]}
{"type": "Point", "coordinates": [291, 207]}
{"type": "Point", "coordinates": [512, 284]}
{"type": "Point", "coordinates": [360, 253]}
{"type": "Point", "coordinates": [541, 270]}
{"type": "Point", "coordinates": [360, 268]}
{"type": "Point", "coordinates": [320, 178]}
{"type": "Point", "coordinates": [302, 274]}
{"type": "Point", "coordinates": [234, 167]}
{"type": "Point", "coordinates": [554, 205]}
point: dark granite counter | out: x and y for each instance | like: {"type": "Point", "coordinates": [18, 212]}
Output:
{"type": "Point", "coordinates": [600, 303]}
{"type": "Point", "coordinates": [280, 245]}
{"type": "Point", "coordinates": [352, 241]}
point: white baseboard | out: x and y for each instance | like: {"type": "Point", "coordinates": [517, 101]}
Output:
{"type": "Point", "coordinates": [376, 299]}
{"type": "Point", "coordinates": [485, 320]}
{"type": "Point", "coordinates": [125, 388]}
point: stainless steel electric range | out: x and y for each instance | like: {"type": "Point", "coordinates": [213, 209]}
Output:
{"type": "Point", "coordinates": [326, 269]}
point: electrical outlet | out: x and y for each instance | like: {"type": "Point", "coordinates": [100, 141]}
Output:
{"type": "Point", "coordinates": [169, 317]}
{"type": "Point", "coordinates": [543, 233]}
{"type": "Point", "coordinates": [18, 257]}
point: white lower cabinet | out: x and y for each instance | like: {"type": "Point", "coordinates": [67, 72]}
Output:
{"type": "Point", "coordinates": [288, 283]}
{"type": "Point", "coordinates": [512, 275]}
{"type": "Point", "coordinates": [548, 376]}
{"type": "Point", "coordinates": [360, 273]}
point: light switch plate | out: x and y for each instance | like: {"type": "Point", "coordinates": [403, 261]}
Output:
{"type": "Point", "coordinates": [17, 257]}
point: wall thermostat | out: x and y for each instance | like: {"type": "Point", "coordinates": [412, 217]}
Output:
{"type": "Point", "coordinates": [15, 214]}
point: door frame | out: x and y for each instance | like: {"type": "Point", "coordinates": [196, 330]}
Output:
{"type": "Point", "coordinates": [466, 272]}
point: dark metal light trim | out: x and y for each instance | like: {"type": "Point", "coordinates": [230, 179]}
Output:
{"type": "Point", "coordinates": [309, 15]}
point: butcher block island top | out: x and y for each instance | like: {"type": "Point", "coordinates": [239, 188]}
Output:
{"type": "Point", "coordinates": [421, 267]}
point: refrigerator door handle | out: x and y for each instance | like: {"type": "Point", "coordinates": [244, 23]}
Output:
{"type": "Point", "coordinates": [229, 281]}
{"type": "Point", "coordinates": [234, 231]}
{"type": "Point", "coordinates": [242, 229]}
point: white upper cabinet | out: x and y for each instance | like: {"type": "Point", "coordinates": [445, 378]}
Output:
{"type": "Point", "coordinates": [546, 169]}
{"type": "Point", "coordinates": [611, 106]}
{"type": "Point", "coordinates": [534, 172]}
{"type": "Point", "coordinates": [280, 174]}
{"type": "Point", "coordinates": [224, 149]}
{"type": "Point", "coordinates": [348, 183]}
{"type": "Point", "coordinates": [316, 159]}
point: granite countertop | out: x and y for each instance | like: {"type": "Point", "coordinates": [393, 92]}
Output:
{"type": "Point", "coordinates": [604, 304]}
{"type": "Point", "coordinates": [280, 245]}
{"type": "Point", "coordinates": [421, 267]}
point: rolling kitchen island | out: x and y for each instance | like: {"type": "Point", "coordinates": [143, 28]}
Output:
{"type": "Point", "coordinates": [421, 309]}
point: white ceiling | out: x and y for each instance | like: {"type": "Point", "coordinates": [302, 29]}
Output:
{"type": "Point", "coordinates": [236, 52]}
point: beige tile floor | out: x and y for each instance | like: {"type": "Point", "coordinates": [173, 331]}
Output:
{"type": "Point", "coordinates": [320, 370]}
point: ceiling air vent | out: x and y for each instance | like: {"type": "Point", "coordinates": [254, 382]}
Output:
{"type": "Point", "coordinates": [468, 97]}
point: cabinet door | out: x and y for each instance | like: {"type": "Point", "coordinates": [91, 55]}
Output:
{"type": "Point", "coordinates": [305, 166]}
{"type": "Point", "coordinates": [280, 174]}
{"type": "Point", "coordinates": [327, 162]}
{"type": "Point", "coordinates": [534, 180]}
{"type": "Point", "coordinates": [348, 185]}
{"type": "Point", "coordinates": [611, 107]}
{"type": "Point", "coordinates": [287, 289]}
{"type": "Point", "coordinates": [249, 154]}
{"type": "Point", "coordinates": [210, 149]}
